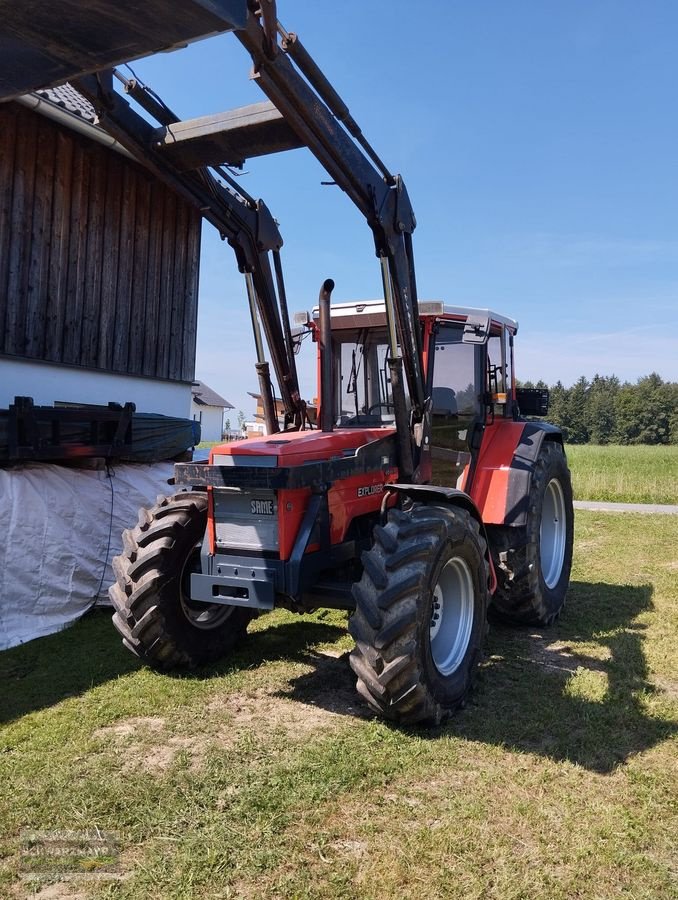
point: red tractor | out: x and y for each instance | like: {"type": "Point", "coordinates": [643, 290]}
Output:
{"type": "Point", "coordinates": [321, 518]}
{"type": "Point", "coordinates": [423, 495]}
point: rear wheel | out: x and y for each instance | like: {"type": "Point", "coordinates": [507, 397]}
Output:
{"type": "Point", "coordinates": [533, 563]}
{"type": "Point", "coordinates": [420, 614]}
{"type": "Point", "coordinates": [154, 613]}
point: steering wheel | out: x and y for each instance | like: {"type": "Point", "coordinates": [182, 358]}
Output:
{"type": "Point", "coordinates": [376, 406]}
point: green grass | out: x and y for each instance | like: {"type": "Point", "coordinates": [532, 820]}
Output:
{"type": "Point", "coordinates": [263, 777]}
{"type": "Point", "coordinates": [634, 474]}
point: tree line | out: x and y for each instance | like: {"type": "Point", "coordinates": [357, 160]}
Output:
{"type": "Point", "coordinates": [607, 411]}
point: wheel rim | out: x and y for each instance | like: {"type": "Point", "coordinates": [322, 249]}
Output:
{"type": "Point", "coordinates": [552, 533]}
{"type": "Point", "coordinates": [205, 616]}
{"type": "Point", "coordinates": [452, 616]}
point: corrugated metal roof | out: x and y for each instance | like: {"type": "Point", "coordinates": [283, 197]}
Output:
{"type": "Point", "coordinates": [205, 396]}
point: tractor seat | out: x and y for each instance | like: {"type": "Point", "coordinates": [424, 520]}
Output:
{"type": "Point", "coordinates": [444, 402]}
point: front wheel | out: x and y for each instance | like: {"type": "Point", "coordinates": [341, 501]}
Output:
{"type": "Point", "coordinates": [420, 614]}
{"type": "Point", "coordinates": [154, 613]}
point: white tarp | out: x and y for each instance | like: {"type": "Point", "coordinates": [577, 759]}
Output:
{"type": "Point", "coordinates": [55, 555]}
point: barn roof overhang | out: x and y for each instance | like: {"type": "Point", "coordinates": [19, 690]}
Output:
{"type": "Point", "coordinates": [43, 44]}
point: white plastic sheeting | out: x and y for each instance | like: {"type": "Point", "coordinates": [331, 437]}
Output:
{"type": "Point", "coordinates": [55, 553]}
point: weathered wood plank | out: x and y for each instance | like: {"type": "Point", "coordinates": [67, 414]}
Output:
{"type": "Point", "coordinates": [141, 241]}
{"type": "Point", "coordinates": [125, 269]}
{"type": "Point", "coordinates": [110, 259]}
{"type": "Point", "coordinates": [38, 308]}
{"type": "Point", "coordinates": [152, 322]}
{"type": "Point", "coordinates": [8, 130]}
{"type": "Point", "coordinates": [57, 280]}
{"type": "Point", "coordinates": [24, 178]}
{"type": "Point", "coordinates": [77, 252]}
{"type": "Point", "coordinates": [191, 297]}
{"type": "Point", "coordinates": [178, 291]}
{"type": "Point", "coordinates": [228, 137]}
{"type": "Point", "coordinates": [91, 309]}
{"type": "Point", "coordinates": [166, 284]}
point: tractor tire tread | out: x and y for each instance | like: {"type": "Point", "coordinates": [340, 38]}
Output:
{"type": "Point", "coordinates": [146, 569]}
{"type": "Point", "coordinates": [384, 660]}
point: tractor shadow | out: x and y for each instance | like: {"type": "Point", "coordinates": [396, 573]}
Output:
{"type": "Point", "coordinates": [43, 672]}
{"type": "Point", "coordinates": [47, 670]}
{"type": "Point", "coordinates": [536, 692]}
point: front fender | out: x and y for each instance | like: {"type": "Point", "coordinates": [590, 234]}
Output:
{"type": "Point", "coordinates": [503, 474]}
{"type": "Point", "coordinates": [431, 493]}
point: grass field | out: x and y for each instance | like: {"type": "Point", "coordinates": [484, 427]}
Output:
{"type": "Point", "coordinates": [265, 777]}
{"type": "Point", "coordinates": [635, 474]}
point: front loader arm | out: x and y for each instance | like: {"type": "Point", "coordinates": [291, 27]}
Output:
{"type": "Point", "coordinates": [292, 81]}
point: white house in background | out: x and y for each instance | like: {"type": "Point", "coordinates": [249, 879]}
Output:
{"type": "Point", "coordinates": [207, 407]}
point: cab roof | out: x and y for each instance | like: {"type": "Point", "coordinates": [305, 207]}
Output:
{"type": "Point", "coordinates": [364, 313]}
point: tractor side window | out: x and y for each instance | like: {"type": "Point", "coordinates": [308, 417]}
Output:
{"type": "Point", "coordinates": [500, 372]}
{"type": "Point", "coordinates": [496, 379]}
{"type": "Point", "coordinates": [454, 390]}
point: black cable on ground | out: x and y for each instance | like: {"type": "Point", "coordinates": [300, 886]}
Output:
{"type": "Point", "coordinates": [110, 474]}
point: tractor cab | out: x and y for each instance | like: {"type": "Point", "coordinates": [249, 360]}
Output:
{"type": "Point", "coordinates": [468, 360]}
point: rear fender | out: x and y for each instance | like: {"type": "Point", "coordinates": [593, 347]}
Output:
{"type": "Point", "coordinates": [448, 496]}
{"type": "Point", "coordinates": [503, 476]}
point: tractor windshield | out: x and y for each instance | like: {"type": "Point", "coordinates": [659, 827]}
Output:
{"type": "Point", "coordinates": [362, 377]}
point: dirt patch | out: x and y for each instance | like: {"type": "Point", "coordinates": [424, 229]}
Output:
{"type": "Point", "coordinates": [349, 848]}
{"type": "Point", "coordinates": [144, 744]}
{"type": "Point", "coordinates": [313, 703]}
{"type": "Point", "coordinates": [157, 759]}
{"type": "Point", "coordinates": [561, 657]}
{"type": "Point", "coordinates": [132, 726]}
{"type": "Point", "coordinates": [59, 890]}
{"type": "Point", "coordinates": [666, 686]}
{"type": "Point", "coordinates": [262, 711]}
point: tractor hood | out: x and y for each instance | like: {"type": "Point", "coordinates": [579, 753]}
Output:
{"type": "Point", "coordinates": [294, 448]}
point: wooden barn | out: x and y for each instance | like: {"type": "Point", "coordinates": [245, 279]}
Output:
{"type": "Point", "coordinates": [98, 265]}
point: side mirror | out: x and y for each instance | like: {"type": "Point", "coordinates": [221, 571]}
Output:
{"type": "Point", "coordinates": [298, 335]}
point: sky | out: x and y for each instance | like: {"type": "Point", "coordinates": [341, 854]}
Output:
{"type": "Point", "coordinates": [539, 145]}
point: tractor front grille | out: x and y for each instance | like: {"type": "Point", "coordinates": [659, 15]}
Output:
{"type": "Point", "coordinates": [246, 520]}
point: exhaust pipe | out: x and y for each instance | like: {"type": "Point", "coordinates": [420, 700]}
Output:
{"type": "Point", "coordinates": [326, 365]}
